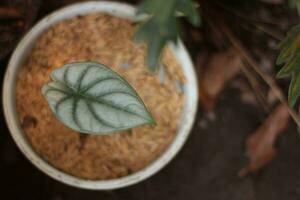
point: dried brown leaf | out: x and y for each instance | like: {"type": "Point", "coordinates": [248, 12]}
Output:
{"type": "Point", "coordinates": [260, 145]}
{"type": "Point", "coordinates": [247, 95]}
{"type": "Point", "coordinates": [9, 13]}
{"type": "Point", "coordinates": [215, 70]}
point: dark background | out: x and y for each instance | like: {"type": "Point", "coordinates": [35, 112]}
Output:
{"type": "Point", "coordinates": [206, 168]}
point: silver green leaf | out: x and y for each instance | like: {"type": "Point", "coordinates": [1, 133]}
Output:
{"type": "Point", "coordinates": [90, 98]}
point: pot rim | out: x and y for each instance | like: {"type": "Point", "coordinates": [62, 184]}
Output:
{"type": "Point", "coordinates": [21, 52]}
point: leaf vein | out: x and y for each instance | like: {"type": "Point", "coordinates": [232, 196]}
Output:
{"type": "Point", "coordinates": [96, 82]}
{"type": "Point", "coordinates": [74, 112]}
{"type": "Point", "coordinates": [84, 73]}
{"type": "Point", "coordinates": [116, 106]}
{"type": "Point", "coordinates": [60, 102]}
{"type": "Point", "coordinates": [97, 117]}
{"type": "Point", "coordinates": [114, 92]}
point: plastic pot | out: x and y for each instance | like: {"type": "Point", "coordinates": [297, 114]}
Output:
{"type": "Point", "coordinates": [9, 102]}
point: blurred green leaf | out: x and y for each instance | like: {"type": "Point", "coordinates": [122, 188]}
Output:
{"type": "Point", "coordinates": [188, 9]}
{"type": "Point", "coordinates": [162, 26]}
{"type": "Point", "coordinates": [289, 57]}
{"type": "Point", "coordinates": [294, 4]}
{"type": "Point", "coordinates": [294, 90]}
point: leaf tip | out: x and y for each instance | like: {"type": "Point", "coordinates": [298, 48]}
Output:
{"type": "Point", "coordinates": [196, 21]}
{"type": "Point", "coordinates": [44, 89]}
{"type": "Point", "coordinates": [280, 75]}
{"type": "Point", "coordinates": [152, 121]}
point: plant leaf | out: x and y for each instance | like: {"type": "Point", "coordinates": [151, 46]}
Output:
{"type": "Point", "coordinates": [215, 70]}
{"type": "Point", "coordinates": [188, 9]}
{"type": "Point", "coordinates": [294, 89]}
{"type": "Point", "coordinates": [90, 98]}
{"type": "Point", "coordinates": [289, 45]}
{"type": "Point", "coordinates": [162, 27]}
{"type": "Point", "coordinates": [260, 145]}
{"type": "Point", "coordinates": [290, 57]}
{"type": "Point", "coordinates": [290, 66]}
{"type": "Point", "coordinates": [294, 4]}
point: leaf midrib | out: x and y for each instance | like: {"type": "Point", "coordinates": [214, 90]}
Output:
{"type": "Point", "coordinates": [97, 99]}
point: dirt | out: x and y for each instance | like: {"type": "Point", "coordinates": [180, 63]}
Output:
{"type": "Point", "coordinates": [108, 40]}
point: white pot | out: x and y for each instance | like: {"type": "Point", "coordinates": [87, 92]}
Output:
{"type": "Point", "coordinates": [9, 101]}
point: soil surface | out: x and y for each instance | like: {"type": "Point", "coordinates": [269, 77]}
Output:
{"type": "Point", "coordinates": [206, 168]}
